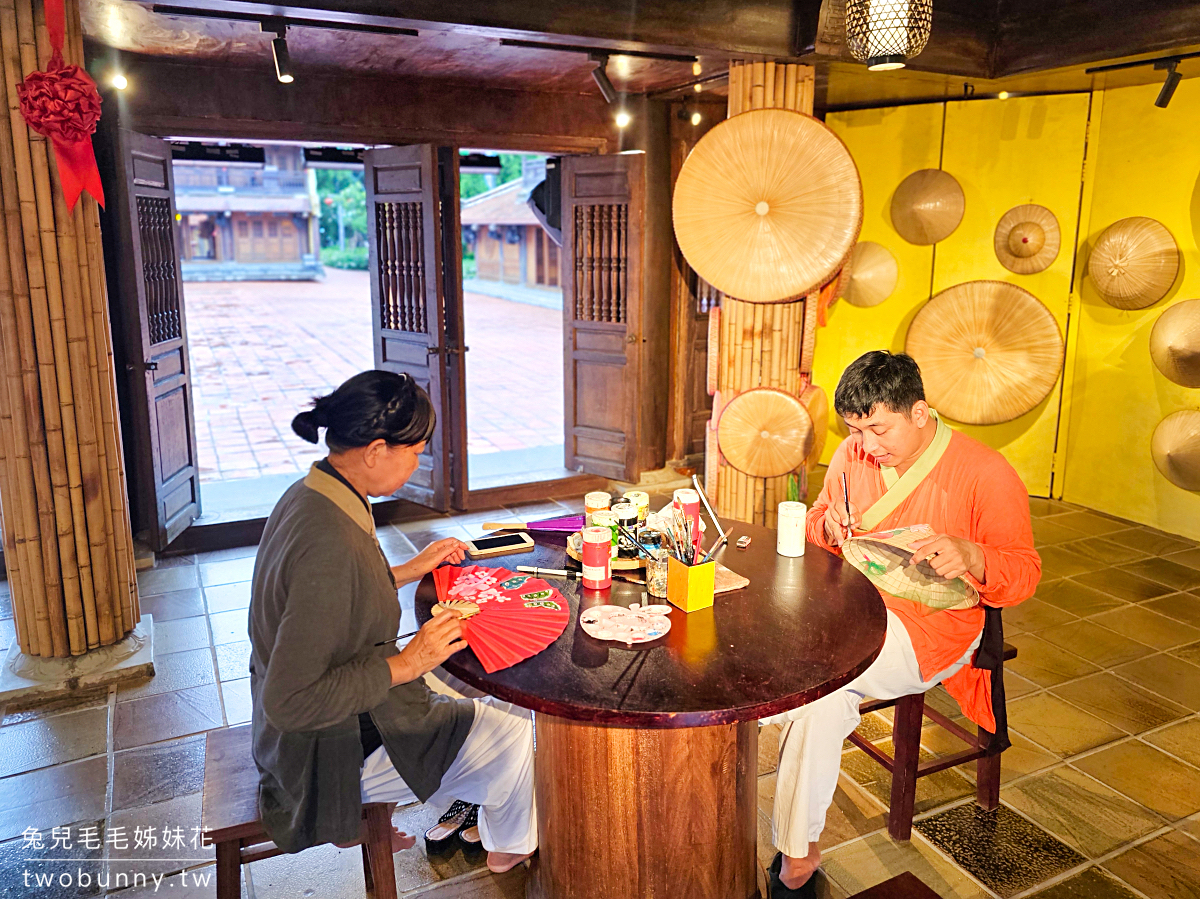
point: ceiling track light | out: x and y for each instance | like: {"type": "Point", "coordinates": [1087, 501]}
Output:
{"type": "Point", "coordinates": [279, 50]}
{"type": "Point", "coordinates": [1172, 82]}
{"type": "Point", "coordinates": [600, 76]}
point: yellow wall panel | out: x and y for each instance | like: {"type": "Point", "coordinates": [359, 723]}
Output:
{"type": "Point", "coordinates": [887, 144]}
{"type": "Point", "coordinates": [1006, 153]}
{"type": "Point", "coordinates": [1143, 161]}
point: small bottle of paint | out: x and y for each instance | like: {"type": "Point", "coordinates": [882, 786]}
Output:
{"type": "Point", "coordinates": [594, 502]}
{"type": "Point", "coordinates": [597, 561]}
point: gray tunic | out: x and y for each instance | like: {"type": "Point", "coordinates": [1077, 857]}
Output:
{"type": "Point", "coordinates": [322, 597]}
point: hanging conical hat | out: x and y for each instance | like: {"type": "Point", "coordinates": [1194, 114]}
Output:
{"type": "Point", "coordinates": [989, 351]}
{"type": "Point", "coordinates": [1175, 343]}
{"type": "Point", "coordinates": [765, 432]}
{"type": "Point", "coordinates": [873, 274]}
{"type": "Point", "coordinates": [1134, 263]}
{"type": "Point", "coordinates": [927, 206]}
{"type": "Point", "coordinates": [1027, 239]}
{"type": "Point", "coordinates": [1176, 448]}
{"type": "Point", "coordinates": [768, 205]}
{"type": "Point", "coordinates": [816, 401]}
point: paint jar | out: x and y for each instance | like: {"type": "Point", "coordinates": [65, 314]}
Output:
{"type": "Point", "coordinates": [641, 499]}
{"type": "Point", "coordinates": [687, 501]}
{"type": "Point", "coordinates": [594, 502]}
{"type": "Point", "coordinates": [627, 517]}
{"type": "Point", "coordinates": [606, 518]}
{"type": "Point", "coordinates": [597, 561]}
{"type": "Point", "coordinates": [789, 540]}
{"type": "Point", "coordinates": [656, 573]}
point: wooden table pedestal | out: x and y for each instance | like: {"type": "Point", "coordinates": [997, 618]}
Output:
{"type": "Point", "coordinates": [627, 812]}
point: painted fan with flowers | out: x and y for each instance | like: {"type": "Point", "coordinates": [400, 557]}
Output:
{"type": "Point", "coordinates": [507, 616]}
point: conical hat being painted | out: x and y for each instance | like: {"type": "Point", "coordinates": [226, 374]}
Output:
{"type": "Point", "coordinates": [768, 205]}
{"type": "Point", "coordinates": [1027, 239]}
{"type": "Point", "coordinates": [1134, 263]}
{"type": "Point", "coordinates": [988, 350]}
{"type": "Point", "coordinates": [885, 558]}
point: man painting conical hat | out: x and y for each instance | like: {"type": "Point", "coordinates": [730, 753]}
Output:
{"type": "Point", "coordinates": [905, 467]}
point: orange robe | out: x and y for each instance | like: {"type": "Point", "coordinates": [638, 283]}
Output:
{"type": "Point", "coordinates": [972, 492]}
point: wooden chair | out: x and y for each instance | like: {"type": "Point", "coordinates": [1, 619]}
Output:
{"type": "Point", "coordinates": [230, 818]}
{"type": "Point", "coordinates": [906, 765]}
{"type": "Point", "coordinates": [902, 886]}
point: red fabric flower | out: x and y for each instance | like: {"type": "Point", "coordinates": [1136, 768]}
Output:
{"type": "Point", "coordinates": [61, 103]}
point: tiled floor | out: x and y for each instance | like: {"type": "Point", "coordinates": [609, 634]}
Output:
{"type": "Point", "coordinates": [1100, 795]}
{"type": "Point", "coordinates": [261, 350]}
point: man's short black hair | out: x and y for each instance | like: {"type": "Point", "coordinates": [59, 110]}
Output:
{"type": "Point", "coordinates": [892, 380]}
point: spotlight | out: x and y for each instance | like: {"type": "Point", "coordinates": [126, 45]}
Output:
{"type": "Point", "coordinates": [119, 81]}
{"type": "Point", "coordinates": [696, 118]}
{"type": "Point", "coordinates": [623, 118]}
{"type": "Point", "coordinates": [698, 87]}
{"type": "Point", "coordinates": [1172, 82]}
{"type": "Point", "coordinates": [283, 60]}
{"type": "Point", "coordinates": [696, 69]}
{"type": "Point", "coordinates": [1003, 95]}
{"type": "Point", "coordinates": [600, 76]}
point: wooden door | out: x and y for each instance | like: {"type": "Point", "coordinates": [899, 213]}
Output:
{"type": "Point", "coordinates": [149, 296]}
{"type": "Point", "coordinates": [603, 214]}
{"type": "Point", "coordinates": [408, 299]}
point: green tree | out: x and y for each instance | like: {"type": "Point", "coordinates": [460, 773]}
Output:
{"type": "Point", "coordinates": [343, 187]}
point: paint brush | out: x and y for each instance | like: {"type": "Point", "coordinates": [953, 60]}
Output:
{"type": "Point", "coordinates": [717, 544]}
{"type": "Point", "coordinates": [549, 572]}
{"type": "Point", "coordinates": [394, 639]}
{"type": "Point", "coordinates": [632, 537]}
{"type": "Point", "coordinates": [846, 497]}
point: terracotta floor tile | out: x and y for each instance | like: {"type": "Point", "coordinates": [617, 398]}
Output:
{"type": "Point", "coordinates": [165, 716]}
{"type": "Point", "coordinates": [1188, 557]}
{"type": "Point", "coordinates": [1071, 596]}
{"type": "Point", "coordinates": [1189, 653]}
{"type": "Point", "coordinates": [180, 635]}
{"type": "Point", "coordinates": [1105, 551]}
{"type": "Point", "coordinates": [1093, 524]}
{"type": "Point", "coordinates": [1123, 584]}
{"type": "Point", "coordinates": [1044, 663]}
{"type": "Point", "coordinates": [932, 791]}
{"type": "Point", "coordinates": [1173, 678]}
{"type": "Point", "coordinates": [1040, 507]}
{"type": "Point", "coordinates": [233, 660]}
{"type": "Point", "coordinates": [854, 813]}
{"type": "Point", "coordinates": [867, 862]}
{"type": "Point", "coordinates": [1167, 866]}
{"type": "Point", "coordinates": [999, 848]}
{"type": "Point", "coordinates": [167, 580]}
{"type": "Point", "coordinates": [1058, 561]}
{"type": "Point", "coordinates": [1183, 607]}
{"type": "Point", "coordinates": [173, 671]}
{"type": "Point", "coordinates": [1033, 615]}
{"type": "Point", "coordinates": [1103, 646]}
{"type": "Point", "coordinates": [229, 627]}
{"type": "Point", "coordinates": [1182, 740]}
{"type": "Point", "coordinates": [1141, 624]}
{"type": "Point", "coordinates": [1149, 541]}
{"type": "Point", "coordinates": [1148, 776]}
{"type": "Point", "coordinates": [1164, 571]}
{"type": "Point", "coordinates": [152, 774]}
{"type": "Point", "coordinates": [235, 694]}
{"type": "Point", "coordinates": [1046, 532]}
{"type": "Point", "coordinates": [52, 740]}
{"type": "Point", "coordinates": [1080, 811]}
{"type": "Point", "coordinates": [50, 797]}
{"type": "Point", "coordinates": [1059, 727]}
{"type": "Point", "coordinates": [181, 811]}
{"type": "Point", "coordinates": [1120, 703]}
{"type": "Point", "coordinates": [227, 597]}
{"type": "Point", "coordinates": [169, 606]}
{"type": "Point", "coordinates": [1094, 883]}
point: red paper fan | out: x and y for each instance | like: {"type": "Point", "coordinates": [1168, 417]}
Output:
{"type": "Point", "coordinates": [518, 617]}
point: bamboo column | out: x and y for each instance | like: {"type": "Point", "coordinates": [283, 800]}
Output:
{"type": "Point", "coordinates": [761, 344]}
{"type": "Point", "coordinates": [67, 540]}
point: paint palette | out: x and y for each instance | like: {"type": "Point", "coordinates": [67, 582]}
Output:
{"type": "Point", "coordinates": [636, 624]}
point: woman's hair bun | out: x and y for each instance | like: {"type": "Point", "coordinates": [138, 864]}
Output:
{"type": "Point", "coordinates": [306, 423]}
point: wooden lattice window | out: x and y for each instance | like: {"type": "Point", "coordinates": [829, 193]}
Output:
{"type": "Point", "coordinates": [155, 230]}
{"type": "Point", "coordinates": [601, 262]}
{"type": "Point", "coordinates": [707, 296]}
{"type": "Point", "coordinates": [401, 241]}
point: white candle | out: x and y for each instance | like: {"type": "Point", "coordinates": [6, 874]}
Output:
{"type": "Point", "coordinates": [789, 540]}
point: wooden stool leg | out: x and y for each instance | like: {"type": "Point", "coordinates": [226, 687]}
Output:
{"type": "Point", "coordinates": [379, 850]}
{"type": "Point", "coordinates": [987, 777]}
{"type": "Point", "coordinates": [367, 876]}
{"type": "Point", "coordinates": [906, 746]}
{"type": "Point", "coordinates": [229, 870]}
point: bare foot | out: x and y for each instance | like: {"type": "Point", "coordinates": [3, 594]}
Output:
{"type": "Point", "coordinates": [499, 862]}
{"type": "Point", "coordinates": [795, 872]}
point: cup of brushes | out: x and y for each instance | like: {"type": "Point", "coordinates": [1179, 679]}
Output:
{"type": "Point", "coordinates": [691, 587]}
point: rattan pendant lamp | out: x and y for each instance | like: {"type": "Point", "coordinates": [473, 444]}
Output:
{"type": "Point", "coordinates": [768, 205]}
{"type": "Point", "coordinates": [989, 351]}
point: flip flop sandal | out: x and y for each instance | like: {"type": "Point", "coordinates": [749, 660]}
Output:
{"type": "Point", "coordinates": [439, 839]}
{"type": "Point", "coordinates": [807, 890]}
{"type": "Point", "coordinates": [469, 834]}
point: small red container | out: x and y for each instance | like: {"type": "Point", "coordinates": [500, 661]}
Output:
{"type": "Point", "coordinates": [597, 561]}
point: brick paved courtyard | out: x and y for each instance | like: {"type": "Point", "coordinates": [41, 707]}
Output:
{"type": "Point", "coordinates": [261, 350]}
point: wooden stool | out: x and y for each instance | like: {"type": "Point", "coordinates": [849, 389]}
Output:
{"type": "Point", "coordinates": [230, 818]}
{"type": "Point", "coordinates": [906, 765]}
{"type": "Point", "coordinates": [902, 886]}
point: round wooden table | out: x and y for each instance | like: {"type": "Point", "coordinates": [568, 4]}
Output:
{"type": "Point", "coordinates": [647, 757]}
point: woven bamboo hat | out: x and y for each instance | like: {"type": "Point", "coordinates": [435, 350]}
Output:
{"type": "Point", "coordinates": [765, 432]}
{"type": "Point", "coordinates": [768, 205]}
{"type": "Point", "coordinates": [989, 351]}
{"type": "Point", "coordinates": [816, 401]}
{"type": "Point", "coordinates": [1176, 448]}
{"type": "Point", "coordinates": [1027, 239]}
{"type": "Point", "coordinates": [927, 206]}
{"type": "Point", "coordinates": [1175, 343]}
{"type": "Point", "coordinates": [885, 556]}
{"type": "Point", "coordinates": [1134, 263]}
{"type": "Point", "coordinates": [873, 274]}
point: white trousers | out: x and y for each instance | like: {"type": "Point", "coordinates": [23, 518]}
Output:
{"type": "Point", "coordinates": [493, 769]}
{"type": "Point", "coordinates": [810, 746]}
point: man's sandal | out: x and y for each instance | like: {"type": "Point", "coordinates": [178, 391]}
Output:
{"type": "Point", "coordinates": [807, 890]}
{"type": "Point", "coordinates": [439, 839]}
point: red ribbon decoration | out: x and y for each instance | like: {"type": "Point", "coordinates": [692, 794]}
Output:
{"type": "Point", "coordinates": [63, 104]}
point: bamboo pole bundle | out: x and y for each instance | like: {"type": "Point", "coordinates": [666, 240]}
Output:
{"type": "Point", "coordinates": [69, 549]}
